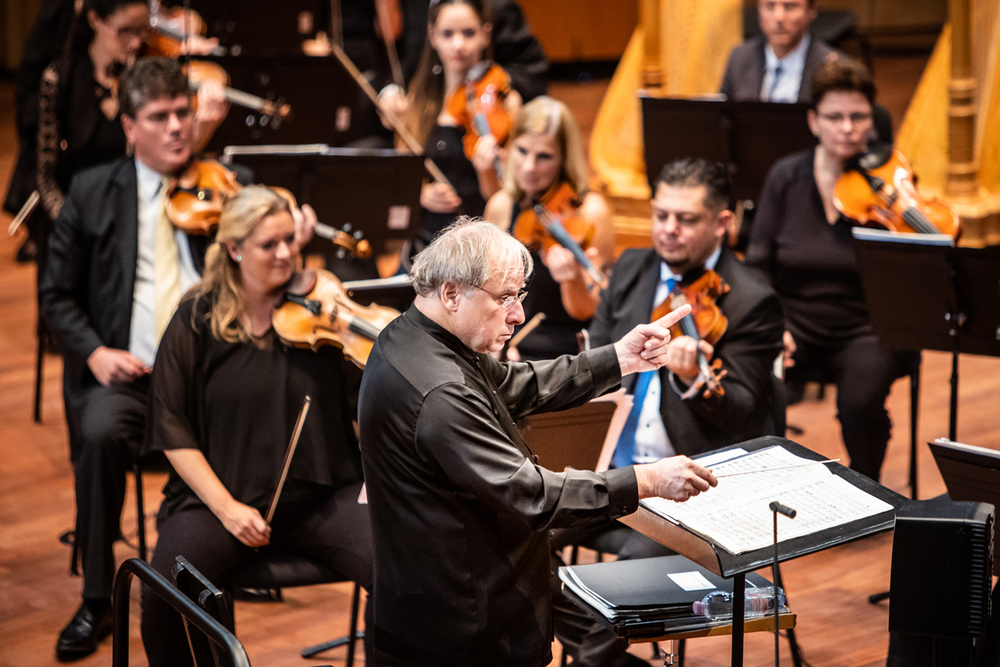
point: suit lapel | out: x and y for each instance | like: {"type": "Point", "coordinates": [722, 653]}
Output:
{"type": "Point", "coordinates": [641, 302]}
{"type": "Point", "coordinates": [756, 79]}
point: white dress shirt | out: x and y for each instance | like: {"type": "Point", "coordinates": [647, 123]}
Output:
{"type": "Point", "coordinates": [142, 341]}
{"type": "Point", "coordinates": [789, 82]}
{"type": "Point", "coordinates": [651, 440]}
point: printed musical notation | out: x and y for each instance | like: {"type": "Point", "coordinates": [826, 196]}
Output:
{"type": "Point", "coordinates": [736, 516]}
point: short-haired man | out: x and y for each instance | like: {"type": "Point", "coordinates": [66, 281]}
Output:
{"type": "Point", "coordinates": [460, 510]}
{"type": "Point", "coordinates": [116, 271]}
{"type": "Point", "coordinates": [778, 64]}
{"type": "Point", "coordinates": [672, 412]}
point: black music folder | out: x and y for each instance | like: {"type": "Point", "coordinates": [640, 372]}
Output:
{"type": "Point", "coordinates": [648, 597]}
{"type": "Point", "coordinates": [706, 546]}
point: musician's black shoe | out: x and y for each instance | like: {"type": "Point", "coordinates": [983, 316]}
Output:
{"type": "Point", "coordinates": [89, 626]}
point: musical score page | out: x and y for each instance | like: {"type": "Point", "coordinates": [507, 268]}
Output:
{"type": "Point", "coordinates": [736, 513]}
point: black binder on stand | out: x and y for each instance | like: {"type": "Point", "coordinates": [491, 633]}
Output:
{"type": "Point", "coordinates": [923, 293]}
{"type": "Point", "coordinates": [714, 557]}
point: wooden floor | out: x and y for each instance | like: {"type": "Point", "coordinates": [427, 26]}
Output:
{"type": "Point", "coordinates": [836, 625]}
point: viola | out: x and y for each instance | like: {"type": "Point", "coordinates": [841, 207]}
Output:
{"type": "Point", "coordinates": [478, 106]}
{"type": "Point", "coordinates": [172, 27]}
{"type": "Point", "coordinates": [315, 310]}
{"type": "Point", "coordinates": [704, 322]}
{"type": "Point", "coordinates": [877, 188]}
{"type": "Point", "coordinates": [197, 195]}
{"type": "Point", "coordinates": [554, 219]}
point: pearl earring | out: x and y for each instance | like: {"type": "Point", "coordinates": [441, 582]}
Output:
{"type": "Point", "coordinates": [239, 258]}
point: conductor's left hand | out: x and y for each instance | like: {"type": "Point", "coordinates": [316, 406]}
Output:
{"type": "Point", "coordinates": [644, 348]}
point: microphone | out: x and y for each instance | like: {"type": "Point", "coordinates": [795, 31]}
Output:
{"type": "Point", "coordinates": [782, 509]}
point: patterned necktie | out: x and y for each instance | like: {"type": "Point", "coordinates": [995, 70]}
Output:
{"type": "Point", "coordinates": [167, 270]}
{"type": "Point", "coordinates": [625, 450]}
{"type": "Point", "coordinates": [774, 83]}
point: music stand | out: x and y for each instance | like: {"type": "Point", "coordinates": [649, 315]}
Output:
{"type": "Point", "coordinates": [925, 294]}
{"type": "Point", "coordinates": [763, 133]}
{"type": "Point", "coordinates": [676, 128]}
{"type": "Point", "coordinates": [572, 438]}
{"type": "Point", "coordinates": [376, 191]}
{"type": "Point", "coordinates": [203, 593]}
{"type": "Point", "coordinates": [322, 95]}
{"type": "Point", "coordinates": [748, 136]}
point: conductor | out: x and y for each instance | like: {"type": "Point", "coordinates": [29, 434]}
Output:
{"type": "Point", "coordinates": [460, 510]}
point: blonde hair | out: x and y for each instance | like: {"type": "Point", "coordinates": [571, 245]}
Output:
{"type": "Point", "coordinates": [426, 97]}
{"type": "Point", "coordinates": [469, 252]}
{"type": "Point", "coordinates": [222, 281]}
{"type": "Point", "coordinates": [544, 115]}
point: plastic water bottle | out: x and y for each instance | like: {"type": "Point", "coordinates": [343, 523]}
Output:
{"type": "Point", "coordinates": [718, 605]}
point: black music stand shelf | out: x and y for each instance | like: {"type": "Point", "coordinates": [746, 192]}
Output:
{"type": "Point", "coordinates": [376, 191]}
{"type": "Point", "coordinates": [923, 293]}
{"type": "Point", "coordinates": [716, 559]}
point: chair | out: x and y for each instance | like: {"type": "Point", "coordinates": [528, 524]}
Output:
{"type": "Point", "coordinates": [283, 570]}
{"type": "Point", "coordinates": [193, 614]}
{"type": "Point", "coordinates": [795, 395]}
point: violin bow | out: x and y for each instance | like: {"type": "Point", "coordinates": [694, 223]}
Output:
{"type": "Point", "coordinates": [381, 9]}
{"type": "Point", "coordinates": [527, 329]}
{"type": "Point", "coordinates": [404, 134]}
{"type": "Point", "coordinates": [289, 453]}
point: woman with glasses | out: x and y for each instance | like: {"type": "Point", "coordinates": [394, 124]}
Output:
{"type": "Point", "coordinates": [804, 246]}
{"type": "Point", "coordinates": [79, 124]}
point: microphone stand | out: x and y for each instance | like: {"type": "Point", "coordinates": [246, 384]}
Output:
{"type": "Point", "coordinates": [777, 508]}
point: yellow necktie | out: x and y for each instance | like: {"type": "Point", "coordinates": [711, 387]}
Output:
{"type": "Point", "coordinates": [168, 275]}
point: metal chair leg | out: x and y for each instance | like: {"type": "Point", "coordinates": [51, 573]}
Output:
{"type": "Point", "coordinates": [311, 651]}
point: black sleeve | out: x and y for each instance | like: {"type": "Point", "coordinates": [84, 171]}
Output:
{"type": "Point", "coordinates": [728, 87]}
{"type": "Point", "coordinates": [517, 50]}
{"type": "Point", "coordinates": [767, 222]}
{"type": "Point", "coordinates": [458, 431]}
{"type": "Point", "coordinates": [62, 292]}
{"type": "Point", "coordinates": [174, 385]}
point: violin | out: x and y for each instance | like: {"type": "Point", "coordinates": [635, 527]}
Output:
{"type": "Point", "coordinates": [877, 189]}
{"type": "Point", "coordinates": [478, 106]}
{"type": "Point", "coordinates": [197, 195]}
{"type": "Point", "coordinates": [704, 322]}
{"type": "Point", "coordinates": [554, 219]}
{"type": "Point", "coordinates": [171, 29]}
{"type": "Point", "coordinates": [315, 310]}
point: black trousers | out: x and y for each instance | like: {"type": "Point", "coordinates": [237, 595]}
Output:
{"type": "Point", "coordinates": [334, 531]}
{"type": "Point", "coordinates": [863, 372]}
{"type": "Point", "coordinates": [588, 641]}
{"type": "Point", "coordinates": [112, 424]}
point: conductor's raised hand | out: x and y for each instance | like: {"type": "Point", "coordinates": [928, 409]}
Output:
{"type": "Point", "coordinates": [246, 524]}
{"type": "Point", "coordinates": [675, 478]}
{"type": "Point", "coordinates": [644, 348]}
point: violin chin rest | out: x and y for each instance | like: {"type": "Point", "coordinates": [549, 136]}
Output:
{"type": "Point", "coordinates": [301, 283]}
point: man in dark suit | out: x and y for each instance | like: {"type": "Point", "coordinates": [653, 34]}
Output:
{"type": "Point", "coordinates": [674, 411]}
{"type": "Point", "coordinates": [777, 65]}
{"type": "Point", "coordinates": [116, 271]}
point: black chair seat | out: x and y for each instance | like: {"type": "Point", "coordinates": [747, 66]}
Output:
{"type": "Point", "coordinates": [284, 570]}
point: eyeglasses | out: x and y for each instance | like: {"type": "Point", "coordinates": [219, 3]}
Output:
{"type": "Point", "coordinates": [506, 302]}
{"type": "Point", "coordinates": [838, 118]}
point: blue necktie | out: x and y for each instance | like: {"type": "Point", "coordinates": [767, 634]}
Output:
{"type": "Point", "coordinates": [625, 450]}
{"type": "Point", "coordinates": [774, 82]}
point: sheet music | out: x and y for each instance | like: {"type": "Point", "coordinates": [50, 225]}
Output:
{"type": "Point", "coordinates": [736, 516]}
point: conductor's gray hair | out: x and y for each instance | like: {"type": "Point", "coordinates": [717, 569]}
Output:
{"type": "Point", "coordinates": [469, 252]}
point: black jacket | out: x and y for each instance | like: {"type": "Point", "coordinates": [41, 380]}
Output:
{"type": "Point", "coordinates": [745, 70]}
{"type": "Point", "coordinates": [747, 349]}
{"type": "Point", "coordinates": [460, 511]}
{"type": "Point", "coordinates": [86, 294]}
